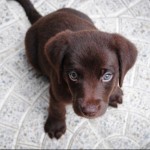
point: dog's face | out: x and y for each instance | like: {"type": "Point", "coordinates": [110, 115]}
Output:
{"type": "Point", "coordinates": [91, 72]}
{"type": "Point", "coordinates": [88, 62]}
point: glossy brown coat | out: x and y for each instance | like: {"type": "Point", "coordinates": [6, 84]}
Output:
{"type": "Point", "coordinates": [67, 40]}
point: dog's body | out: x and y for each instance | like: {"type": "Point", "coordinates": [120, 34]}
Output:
{"type": "Point", "coordinates": [83, 64]}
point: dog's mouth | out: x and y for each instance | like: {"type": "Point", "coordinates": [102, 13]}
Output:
{"type": "Point", "coordinates": [92, 114]}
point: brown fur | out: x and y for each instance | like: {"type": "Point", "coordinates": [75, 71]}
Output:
{"type": "Point", "coordinates": [67, 40]}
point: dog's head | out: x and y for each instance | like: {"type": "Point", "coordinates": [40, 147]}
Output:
{"type": "Point", "coordinates": [91, 63]}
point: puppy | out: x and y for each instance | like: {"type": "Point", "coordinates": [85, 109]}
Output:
{"type": "Point", "coordinates": [85, 66]}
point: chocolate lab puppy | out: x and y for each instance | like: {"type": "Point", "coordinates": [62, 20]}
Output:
{"type": "Point", "coordinates": [85, 66]}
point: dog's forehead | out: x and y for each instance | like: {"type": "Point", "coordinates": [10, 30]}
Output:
{"type": "Point", "coordinates": [93, 56]}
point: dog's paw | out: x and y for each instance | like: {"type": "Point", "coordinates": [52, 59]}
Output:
{"type": "Point", "coordinates": [116, 98]}
{"type": "Point", "coordinates": [55, 128]}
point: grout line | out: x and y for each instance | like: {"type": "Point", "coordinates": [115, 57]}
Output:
{"type": "Point", "coordinates": [101, 141]}
{"type": "Point", "coordinates": [131, 4]}
{"type": "Point", "coordinates": [125, 124]}
{"type": "Point", "coordinates": [53, 5]}
{"type": "Point", "coordinates": [69, 139]}
{"type": "Point", "coordinates": [117, 25]}
{"type": "Point", "coordinates": [133, 18]}
{"type": "Point", "coordinates": [136, 88]}
{"type": "Point", "coordinates": [70, 3]}
{"type": "Point", "coordinates": [5, 125]}
{"type": "Point", "coordinates": [123, 137]}
{"type": "Point", "coordinates": [14, 50]}
{"type": "Point", "coordinates": [75, 134]}
{"type": "Point", "coordinates": [134, 3]}
{"type": "Point", "coordinates": [132, 76]}
{"type": "Point", "coordinates": [131, 38]}
{"type": "Point", "coordinates": [128, 8]}
{"type": "Point", "coordinates": [9, 25]}
{"type": "Point", "coordinates": [134, 112]}
{"type": "Point", "coordinates": [22, 98]}
{"type": "Point", "coordinates": [23, 120]}
{"type": "Point", "coordinates": [121, 17]}
{"type": "Point", "coordinates": [3, 26]}
{"type": "Point", "coordinates": [8, 92]}
{"type": "Point", "coordinates": [100, 137]}
{"type": "Point", "coordinates": [27, 144]}
{"type": "Point", "coordinates": [10, 9]}
{"type": "Point", "coordinates": [106, 145]}
{"type": "Point", "coordinates": [39, 3]}
{"type": "Point", "coordinates": [26, 115]}
{"type": "Point", "coordinates": [43, 139]}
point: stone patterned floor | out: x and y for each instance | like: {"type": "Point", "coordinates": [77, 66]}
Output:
{"type": "Point", "coordinates": [24, 93]}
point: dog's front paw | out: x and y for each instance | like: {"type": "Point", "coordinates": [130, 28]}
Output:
{"type": "Point", "coordinates": [116, 98]}
{"type": "Point", "coordinates": [55, 128]}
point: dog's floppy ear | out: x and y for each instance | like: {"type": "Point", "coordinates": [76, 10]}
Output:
{"type": "Point", "coordinates": [55, 50]}
{"type": "Point", "coordinates": [126, 53]}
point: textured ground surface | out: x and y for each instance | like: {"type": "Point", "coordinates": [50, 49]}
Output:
{"type": "Point", "coordinates": [24, 93]}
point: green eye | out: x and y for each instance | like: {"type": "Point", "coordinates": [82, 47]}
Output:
{"type": "Point", "coordinates": [107, 77]}
{"type": "Point", "coordinates": [73, 76]}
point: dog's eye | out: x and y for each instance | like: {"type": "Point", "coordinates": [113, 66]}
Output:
{"type": "Point", "coordinates": [107, 77]}
{"type": "Point", "coordinates": [73, 76]}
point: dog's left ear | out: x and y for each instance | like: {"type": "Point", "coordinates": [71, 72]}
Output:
{"type": "Point", "coordinates": [126, 53]}
{"type": "Point", "coordinates": [55, 50]}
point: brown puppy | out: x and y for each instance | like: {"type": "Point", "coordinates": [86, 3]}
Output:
{"type": "Point", "coordinates": [84, 65]}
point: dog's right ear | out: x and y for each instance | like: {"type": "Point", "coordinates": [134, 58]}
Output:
{"type": "Point", "coordinates": [55, 50]}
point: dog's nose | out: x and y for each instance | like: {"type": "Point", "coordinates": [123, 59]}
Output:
{"type": "Point", "coordinates": [90, 109]}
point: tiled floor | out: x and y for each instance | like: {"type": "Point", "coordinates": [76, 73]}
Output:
{"type": "Point", "coordinates": [24, 93]}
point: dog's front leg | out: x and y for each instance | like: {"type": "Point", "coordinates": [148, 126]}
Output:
{"type": "Point", "coordinates": [55, 125]}
{"type": "Point", "coordinates": [116, 97]}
